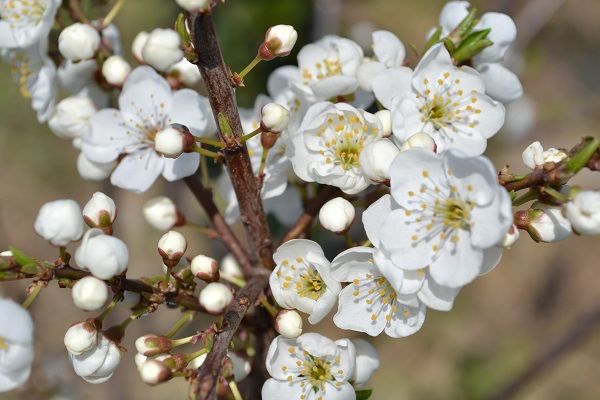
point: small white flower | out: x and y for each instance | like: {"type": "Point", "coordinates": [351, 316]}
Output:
{"type": "Point", "coordinates": [337, 215]}
{"type": "Point", "coordinates": [554, 155]}
{"type": "Point", "coordinates": [71, 118]}
{"type": "Point", "coordinates": [193, 5]}
{"type": "Point", "coordinates": [59, 222]}
{"type": "Point", "coordinates": [215, 297]}
{"type": "Point", "coordinates": [288, 323]}
{"type": "Point", "coordinates": [172, 142]}
{"type": "Point", "coordinates": [25, 22]}
{"type": "Point", "coordinates": [90, 293]}
{"type": "Point", "coordinates": [274, 118]}
{"type": "Point", "coordinates": [302, 279]}
{"type": "Point", "coordinates": [115, 69]}
{"type": "Point", "coordinates": [584, 212]}
{"type": "Point", "coordinates": [419, 140]}
{"type": "Point", "coordinates": [137, 46]}
{"type": "Point", "coordinates": [92, 171]}
{"type": "Point", "coordinates": [161, 213]}
{"type": "Point", "coordinates": [367, 362]}
{"type": "Point", "coordinates": [16, 345]}
{"type": "Point", "coordinates": [534, 156]}
{"type": "Point", "coordinates": [154, 372]}
{"type": "Point", "coordinates": [451, 211]}
{"type": "Point", "coordinates": [186, 72]}
{"type": "Point", "coordinates": [98, 364]}
{"type": "Point", "coordinates": [279, 42]}
{"type": "Point", "coordinates": [171, 247]}
{"type": "Point", "coordinates": [327, 147]}
{"type": "Point", "coordinates": [310, 367]}
{"type": "Point", "coordinates": [100, 211]}
{"type": "Point", "coordinates": [376, 158]}
{"type": "Point", "coordinates": [205, 268]}
{"type": "Point", "coordinates": [162, 49]}
{"type": "Point", "coordinates": [104, 256]}
{"type": "Point", "coordinates": [81, 337]}
{"type": "Point", "coordinates": [544, 223]}
{"type": "Point", "coordinates": [78, 42]}
{"type": "Point", "coordinates": [389, 54]}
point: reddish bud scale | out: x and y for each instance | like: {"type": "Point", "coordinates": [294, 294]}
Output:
{"type": "Point", "coordinates": [267, 50]}
{"type": "Point", "coordinates": [268, 139]}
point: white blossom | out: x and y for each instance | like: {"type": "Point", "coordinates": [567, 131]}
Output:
{"type": "Point", "coordinates": [534, 156]}
{"type": "Point", "coordinates": [419, 140]}
{"type": "Point", "coordinates": [389, 52]}
{"type": "Point", "coordinates": [274, 118]}
{"type": "Point", "coordinates": [376, 158]}
{"type": "Point", "coordinates": [230, 266]}
{"type": "Point", "coordinates": [186, 72]}
{"type": "Point", "coordinates": [115, 69]}
{"type": "Point", "coordinates": [215, 297]}
{"type": "Point", "coordinates": [78, 42]}
{"type": "Point", "coordinates": [205, 268]}
{"type": "Point", "coordinates": [288, 323]}
{"type": "Point", "coordinates": [90, 293]}
{"type": "Point", "coordinates": [26, 22]}
{"type": "Point", "coordinates": [161, 213]}
{"type": "Point", "coordinates": [81, 337]}
{"type": "Point", "coordinates": [511, 237]}
{"type": "Point", "coordinates": [71, 117]}
{"type": "Point", "coordinates": [99, 211]}
{"type": "Point", "coordinates": [93, 171]}
{"type": "Point", "coordinates": [16, 345]}
{"type": "Point", "coordinates": [583, 211]}
{"type": "Point", "coordinates": [162, 49]}
{"type": "Point", "coordinates": [302, 279]}
{"type": "Point", "coordinates": [172, 142]}
{"type": "Point", "coordinates": [279, 42]}
{"type": "Point", "coordinates": [98, 364]}
{"type": "Point", "coordinates": [367, 362]}
{"type": "Point", "coordinates": [337, 215]}
{"type": "Point", "coordinates": [59, 222]}
{"type": "Point", "coordinates": [104, 256]}
{"type": "Point", "coordinates": [310, 367]}
{"type": "Point", "coordinates": [137, 46]}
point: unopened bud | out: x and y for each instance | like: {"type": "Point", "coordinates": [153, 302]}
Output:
{"type": "Point", "coordinates": [215, 297]}
{"type": "Point", "coordinates": [171, 247]}
{"type": "Point", "coordinates": [376, 159]}
{"type": "Point", "coordinates": [71, 118]}
{"type": "Point", "coordinates": [81, 337]}
{"type": "Point", "coordinates": [274, 118]}
{"type": "Point", "coordinates": [152, 345]}
{"type": "Point", "coordinates": [103, 255]}
{"type": "Point", "coordinates": [162, 214]}
{"type": "Point", "coordinates": [268, 139]}
{"type": "Point", "coordinates": [90, 293]}
{"type": "Point", "coordinates": [288, 323]}
{"type": "Point", "coordinates": [162, 49]}
{"type": "Point", "coordinates": [511, 237]}
{"type": "Point", "coordinates": [230, 267]}
{"type": "Point", "coordinates": [197, 362]}
{"type": "Point", "coordinates": [171, 142]}
{"type": "Point", "coordinates": [138, 45]}
{"type": "Point", "coordinates": [154, 372]}
{"type": "Point", "coordinates": [554, 155]}
{"type": "Point", "coordinates": [115, 69]}
{"type": "Point", "coordinates": [92, 171]}
{"type": "Point", "coordinates": [78, 42]}
{"type": "Point", "coordinates": [337, 215]}
{"type": "Point", "coordinates": [544, 223]}
{"type": "Point", "coordinates": [419, 140]}
{"type": "Point", "coordinates": [385, 116]}
{"type": "Point", "coordinates": [205, 268]}
{"type": "Point", "coordinates": [194, 5]}
{"type": "Point", "coordinates": [584, 212]}
{"type": "Point", "coordinates": [186, 72]}
{"type": "Point", "coordinates": [279, 42]}
{"type": "Point", "coordinates": [59, 222]}
{"type": "Point", "coordinates": [100, 212]}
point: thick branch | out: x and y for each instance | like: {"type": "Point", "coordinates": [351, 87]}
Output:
{"type": "Point", "coordinates": [205, 198]}
{"type": "Point", "coordinates": [217, 79]}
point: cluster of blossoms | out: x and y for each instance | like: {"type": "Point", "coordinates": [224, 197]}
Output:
{"type": "Point", "coordinates": [402, 144]}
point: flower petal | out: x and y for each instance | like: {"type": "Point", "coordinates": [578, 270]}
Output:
{"type": "Point", "coordinates": [138, 171]}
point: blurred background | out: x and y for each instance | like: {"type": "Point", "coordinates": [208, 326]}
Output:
{"type": "Point", "coordinates": [499, 324]}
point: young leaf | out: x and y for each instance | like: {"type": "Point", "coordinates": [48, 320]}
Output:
{"type": "Point", "coordinates": [26, 263]}
{"type": "Point", "coordinates": [363, 394]}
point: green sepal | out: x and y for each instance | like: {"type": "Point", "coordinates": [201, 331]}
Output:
{"type": "Point", "coordinates": [363, 394]}
{"type": "Point", "coordinates": [26, 263]}
{"type": "Point", "coordinates": [582, 157]}
{"type": "Point", "coordinates": [472, 45]}
{"type": "Point", "coordinates": [450, 45]}
{"type": "Point", "coordinates": [435, 38]}
{"type": "Point", "coordinates": [467, 24]}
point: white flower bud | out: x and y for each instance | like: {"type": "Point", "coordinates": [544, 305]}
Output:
{"type": "Point", "coordinates": [544, 223]}
{"type": "Point", "coordinates": [193, 5]}
{"type": "Point", "coordinates": [90, 293]}
{"type": "Point", "coordinates": [104, 256]}
{"type": "Point", "coordinates": [367, 362]}
{"type": "Point", "coordinates": [215, 297]}
{"type": "Point", "coordinates": [138, 45]}
{"type": "Point", "coordinates": [115, 69]}
{"type": "Point", "coordinates": [230, 267]}
{"type": "Point", "coordinates": [511, 237]}
{"type": "Point", "coordinates": [367, 72]}
{"type": "Point", "coordinates": [376, 159]}
{"type": "Point", "coordinates": [274, 118]}
{"type": "Point", "coordinates": [385, 116]}
{"type": "Point", "coordinates": [288, 323]}
{"type": "Point", "coordinates": [59, 222]}
{"type": "Point", "coordinates": [78, 42]}
{"type": "Point", "coordinates": [279, 42]}
{"type": "Point", "coordinates": [154, 372]}
{"type": "Point", "coordinates": [92, 171]}
{"type": "Point", "coordinates": [172, 142]}
{"type": "Point", "coordinates": [584, 212]}
{"type": "Point", "coordinates": [71, 118]}
{"type": "Point", "coordinates": [162, 214]}
{"type": "Point", "coordinates": [186, 72]}
{"type": "Point", "coordinates": [152, 345]}
{"type": "Point", "coordinates": [130, 299]}
{"type": "Point", "coordinates": [100, 211]}
{"type": "Point", "coordinates": [205, 268]}
{"type": "Point", "coordinates": [139, 360]}
{"type": "Point", "coordinates": [419, 140]}
{"type": "Point", "coordinates": [197, 362]}
{"type": "Point", "coordinates": [337, 215]}
{"type": "Point", "coordinates": [171, 247]}
{"type": "Point", "coordinates": [535, 156]}
{"type": "Point", "coordinates": [554, 155]}
{"type": "Point", "coordinates": [162, 49]}
{"type": "Point", "coordinates": [81, 337]}
{"type": "Point", "coordinates": [241, 366]}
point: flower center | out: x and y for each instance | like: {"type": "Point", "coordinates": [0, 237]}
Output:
{"type": "Point", "coordinates": [347, 151]}
{"type": "Point", "coordinates": [323, 69]}
{"type": "Point", "coordinates": [317, 371]}
{"type": "Point", "coordinates": [22, 12]}
{"type": "Point", "coordinates": [454, 213]}
{"type": "Point", "coordinates": [437, 111]}
{"type": "Point", "coordinates": [3, 344]}
{"type": "Point", "coordinates": [310, 284]}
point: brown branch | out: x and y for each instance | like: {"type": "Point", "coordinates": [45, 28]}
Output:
{"type": "Point", "coordinates": [579, 332]}
{"type": "Point", "coordinates": [205, 198]}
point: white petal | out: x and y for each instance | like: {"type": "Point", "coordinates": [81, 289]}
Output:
{"type": "Point", "coordinates": [108, 136]}
{"type": "Point", "coordinates": [388, 49]}
{"type": "Point", "coordinates": [452, 14]}
{"type": "Point", "coordinates": [353, 263]}
{"type": "Point", "coordinates": [500, 83]}
{"type": "Point", "coordinates": [279, 356]}
{"type": "Point", "coordinates": [491, 258]}
{"type": "Point", "coordinates": [334, 86]}
{"type": "Point", "coordinates": [180, 167]}
{"type": "Point", "coordinates": [392, 83]}
{"type": "Point", "coordinates": [89, 362]}
{"type": "Point", "coordinates": [192, 110]}
{"type": "Point", "coordinates": [407, 321]}
{"type": "Point", "coordinates": [275, 390]}
{"type": "Point", "coordinates": [436, 296]}
{"type": "Point", "coordinates": [457, 263]}
{"type": "Point", "coordinates": [138, 170]}
{"type": "Point", "coordinates": [150, 100]}
{"type": "Point", "coordinates": [374, 217]}
{"type": "Point", "coordinates": [355, 314]}
{"type": "Point", "coordinates": [280, 79]}
{"type": "Point", "coordinates": [343, 391]}
{"type": "Point", "coordinates": [503, 34]}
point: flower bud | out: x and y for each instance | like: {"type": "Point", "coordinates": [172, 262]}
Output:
{"type": "Point", "coordinates": [89, 293]}
{"type": "Point", "coordinates": [385, 116]}
{"type": "Point", "coordinates": [186, 72]}
{"type": "Point", "coordinates": [230, 267]}
{"type": "Point", "coordinates": [153, 345]}
{"type": "Point", "coordinates": [138, 45]}
{"type": "Point", "coordinates": [554, 155]}
{"type": "Point", "coordinates": [92, 171]}
{"type": "Point", "coordinates": [162, 49]}
{"type": "Point", "coordinates": [59, 222]}
{"type": "Point", "coordinates": [71, 118]}
{"type": "Point", "coordinates": [78, 42]}
{"type": "Point", "coordinates": [81, 337]}
{"type": "Point", "coordinates": [197, 362]}
{"type": "Point", "coordinates": [100, 211]}
{"type": "Point", "coordinates": [162, 214]}
{"type": "Point", "coordinates": [154, 372]}
{"type": "Point", "coordinates": [279, 42]}
{"type": "Point", "coordinates": [367, 362]}
{"type": "Point", "coordinates": [215, 297]}
{"type": "Point", "coordinates": [544, 223]}
{"type": "Point", "coordinates": [139, 360]}
{"type": "Point", "coordinates": [274, 118]}
{"type": "Point", "coordinates": [288, 323]}
{"type": "Point", "coordinates": [584, 212]}
{"type": "Point", "coordinates": [533, 155]}
{"type": "Point", "coordinates": [337, 215]}
{"type": "Point", "coordinates": [115, 69]}
{"type": "Point", "coordinates": [419, 140]}
{"type": "Point", "coordinates": [103, 255]}
{"type": "Point", "coordinates": [241, 366]}
{"type": "Point", "coordinates": [205, 268]}
{"type": "Point", "coordinates": [171, 247]}
{"type": "Point", "coordinates": [193, 5]}
{"type": "Point", "coordinates": [376, 159]}
{"type": "Point", "coordinates": [172, 142]}
{"type": "Point", "coordinates": [510, 238]}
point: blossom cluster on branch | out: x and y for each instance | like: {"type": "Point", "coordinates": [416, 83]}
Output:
{"type": "Point", "coordinates": [395, 141]}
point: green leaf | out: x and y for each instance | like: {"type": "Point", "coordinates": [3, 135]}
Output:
{"type": "Point", "coordinates": [26, 263]}
{"type": "Point", "coordinates": [180, 29]}
{"type": "Point", "coordinates": [581, 158]}
{"type": "Point", "coordinates": [363, 394]}
{"type": "Point", "coordinates": [472, 45]}
{"type": "Point", "coordinates": [435, 38]}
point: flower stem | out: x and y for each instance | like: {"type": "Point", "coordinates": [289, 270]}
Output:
{"type": "Point", "coordinates": [113, 12]}
{"type": "Point", "coordinates": [268, 306]}
{"type": "Point", "coordinates": [210, 142]}
{"type": "Point", "coordinates": [250, 135]}
{"type": "Point", "coordinates": [556, 194]}
{"type": "Point", "coordinates": [263, 161]}
{"type": "Point", "coordinates": [239, 282]}
{"type": "Point", "coordinates": [250, 66]}
{"type": "Point", "coordinates": [207, 153]}
{"type": "Point", "coordinates": [197, 354]}
{"type": "Point", "coordinates": [235, 391]}
{"type": "Point", "coordinates": [116, 298]}
{"type": "Point", "coordinates": [185, 319]}
{"type": "Point", "coordinates": [167, 276]}
{"type": "Point", "coordinates": [527, 197]}
{"type": "Point", "coordinates": [32, 295]}
{"type": "Point", "coordinates": [64, 256]}
{"type": "Point", "coordinates": [581, 158]}
{"type": "Point", "coordinates": [349, 241]}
